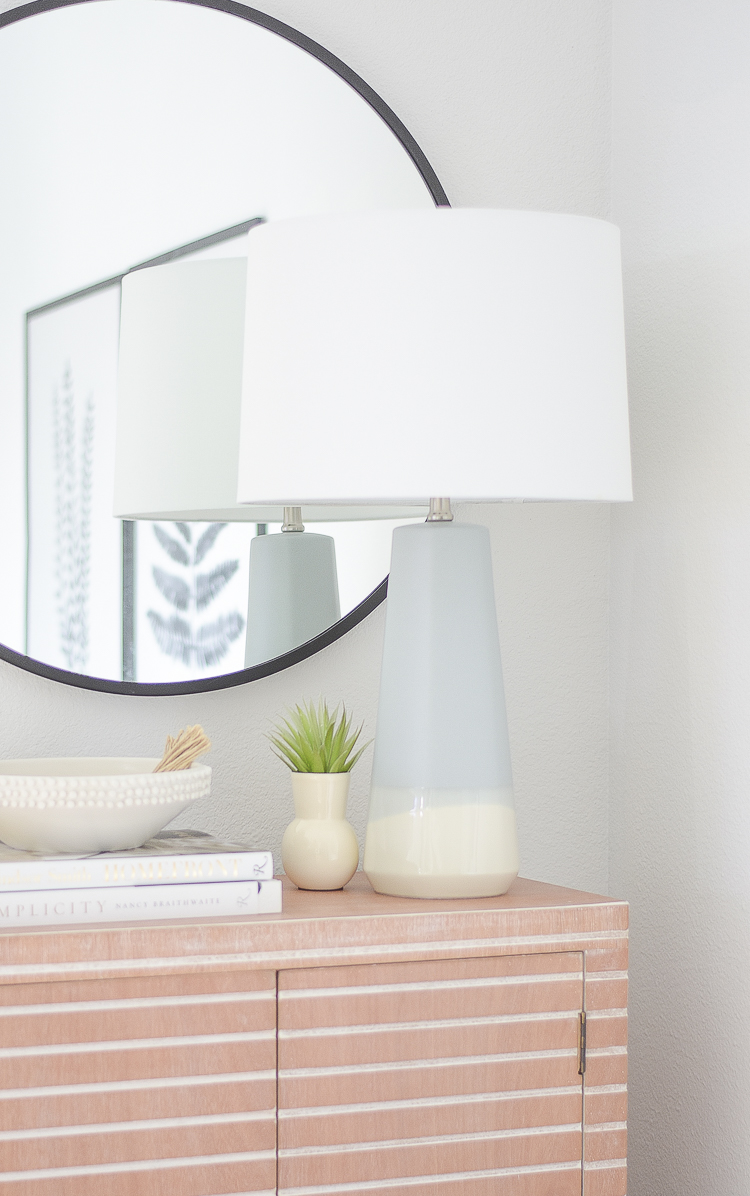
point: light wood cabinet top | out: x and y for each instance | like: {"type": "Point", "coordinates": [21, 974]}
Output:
{"type": "Point", "coordinates": [353, 925]}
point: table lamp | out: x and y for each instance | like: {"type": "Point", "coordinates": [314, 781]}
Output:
{"type": "Point", "coordinates": [404, 356]}
{"type": "Point", "coordinates": [179, 389]}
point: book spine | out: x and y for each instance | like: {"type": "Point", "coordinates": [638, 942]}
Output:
{"type": "Point", "coordinates": [116, 871]}
{"type": "Point", "coordinates": [138, 903]}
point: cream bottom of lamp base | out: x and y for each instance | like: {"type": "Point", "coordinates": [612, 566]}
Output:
{"type": "Point", "coordinates": [465, 849]}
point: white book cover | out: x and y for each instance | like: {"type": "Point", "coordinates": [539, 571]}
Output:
{"type": "Point", "coordinates": [140, 903]}
{"type": "Point", "coordinates": [170, 857]}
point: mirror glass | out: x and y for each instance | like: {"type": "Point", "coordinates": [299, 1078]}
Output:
{"type": "Point", "coordinates": [136, 131]}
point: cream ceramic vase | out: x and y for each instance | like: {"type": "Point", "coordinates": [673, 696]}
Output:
{"type": "Point", "coordinates": [320, 849]}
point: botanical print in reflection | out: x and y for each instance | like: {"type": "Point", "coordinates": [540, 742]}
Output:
{"type": "Point", "coordinates": [193, 642]}
{"type": "Point", "coordinates": [73, 449]}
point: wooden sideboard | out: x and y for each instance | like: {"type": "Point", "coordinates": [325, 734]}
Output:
{"type": "Point", "coordinates": [353, 1044]}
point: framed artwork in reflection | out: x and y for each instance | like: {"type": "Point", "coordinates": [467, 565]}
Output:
{"type": "Point", "coordinates": [124, 601]}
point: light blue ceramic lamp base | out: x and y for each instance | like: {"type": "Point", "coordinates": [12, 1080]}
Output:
{"type": "Point", "coordinates": [441, 820]}
{"type": "Point", "coordinates": [293, 593]}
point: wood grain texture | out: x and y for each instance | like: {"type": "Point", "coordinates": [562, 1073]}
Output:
{"type": "Point", "coordinates": [71, 1024]}
{"type": "Point", "coordinates": [145, 986]}
{"type": "Point", "coordinates": [395, 1019]}
{"type": "Point", "coordinates": [532, 1181]}
{"type": "Point", "coordinates": [605, 1082]}
{"type": "Point", "coordinates": [611, 1180]}
{"type": "Point", "coordinates": [109, 1084]}
{"type": "Point", "coordinates": [351, 926]}
{"type": "Point", "coordinates": [173, 1177]}
{"type": "Point", "coordinates": [422, 1158]}
{"type": "Point", "coordinates": [321, 981]}
{"type": "Point", "coordinates": [440, 1077]}
{"type": "Point", "coordinates": [102, 1103]}
{"type": "Point", "coordinates": [132, 1061]}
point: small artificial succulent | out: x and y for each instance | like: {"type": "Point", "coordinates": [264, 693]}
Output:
{"type": "Point", "coordinates": [314, 739]}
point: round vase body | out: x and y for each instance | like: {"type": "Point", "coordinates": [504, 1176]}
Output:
{"type": "Point", "coordinates": [320, 849]}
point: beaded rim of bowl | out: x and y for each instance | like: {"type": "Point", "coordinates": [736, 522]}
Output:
{"type": "Point", "coordinates": [113, 792]}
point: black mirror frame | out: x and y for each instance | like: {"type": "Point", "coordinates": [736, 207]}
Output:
{"type": "Point", "coordinates": [243, 676]}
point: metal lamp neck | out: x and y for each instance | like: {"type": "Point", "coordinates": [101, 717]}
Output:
{"type": "Point", "coordinates": [292, 520]}
{"type": "Point", "coordinates": [440, 511]}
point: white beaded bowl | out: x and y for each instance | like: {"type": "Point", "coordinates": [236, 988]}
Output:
{"type": "Point", "coordinates": [92, 803]}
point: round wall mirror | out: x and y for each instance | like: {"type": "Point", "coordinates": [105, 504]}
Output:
{"type": "Point", "coordinates": [133, 133]}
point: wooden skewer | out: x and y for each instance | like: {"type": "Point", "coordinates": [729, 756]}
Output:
{"type": "Point", "coordinates": [179, 753]}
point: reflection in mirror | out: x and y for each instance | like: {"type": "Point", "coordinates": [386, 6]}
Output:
{"type": "Point", "coordinates": [132, 129]}
{"type": "Point", "coordinates": [149, 601]}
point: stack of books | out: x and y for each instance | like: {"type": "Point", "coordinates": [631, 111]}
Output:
{"type": "Point", "coordinates": [177, 874]}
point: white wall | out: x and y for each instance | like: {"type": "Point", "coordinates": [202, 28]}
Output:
{"type": "Point", "coordinates": [680, 695]}
{"type": "Point", "coordinates": [510, 102]}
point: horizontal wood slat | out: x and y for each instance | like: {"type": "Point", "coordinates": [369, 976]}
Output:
{"type": "Point", "coordinates": [209, 1176]}
{"type": "Point", "coordinates": [606, 1066]}
{"type": "Point", "coordinates": [442, 1077]}
{"type": "Point", "coordinates": [142, 1061]}
{"type": "Point", "coordinates": [605, 991]}
{"type": "Point", "coordinates": [381, 1045]}
{"type": "Point", "coordinates": [605, 1142]}
{"type": "Point", "coordinates": [417, 1119]}
{"type": "Point", "coordinates": [554, 1180]}
{"type": "Point", "coordinates": [531, 995]}
{"type": "Point", "coordinates": [70, 1104]}
{"type": "Point", "coordinates": [610, 1180]}
{"type": "Point", "coordinates": [105, 1025]}
{"type": "Point", "coordinates": [613, 958]}
{"type": "Point", "coordinates": [419, 975]}
{"type": "Point", "coordinates": [121, 1142]}
{"type": "Point", "coordinates": [137, 988]}
{"type": "Point", "coordinates": [475, 1153]}
{"type": "Point", "coordinates": [607, 1028]}
{"type": "Point", "coordinates": [606, 1104]}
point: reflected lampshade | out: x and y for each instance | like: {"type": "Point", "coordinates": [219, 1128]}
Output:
{"type": "Point", "coordinates": [182, 329]}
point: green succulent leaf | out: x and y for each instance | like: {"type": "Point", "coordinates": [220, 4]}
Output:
{"type": "Point", "coordinates": [312, 738]}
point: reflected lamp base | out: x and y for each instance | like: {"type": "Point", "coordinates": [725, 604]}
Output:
{"type": "Point", "coordinates": [293, 594]}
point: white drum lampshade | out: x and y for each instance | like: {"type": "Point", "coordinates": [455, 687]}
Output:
{"type": "Point", "coordinates": [391, 357]}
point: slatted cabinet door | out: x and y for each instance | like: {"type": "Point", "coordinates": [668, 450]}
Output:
{"type": "Point", "coordinates": [139, 1087]}
{"type": "Point", "coordinates": [461, 1074]}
